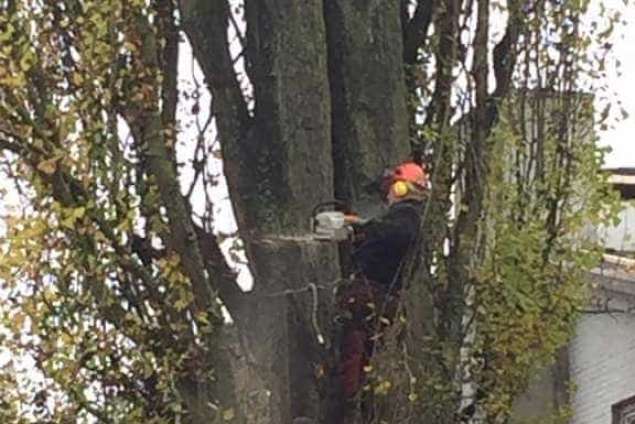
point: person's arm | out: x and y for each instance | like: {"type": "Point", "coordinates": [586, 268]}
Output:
{"type": "Point", "coordinates": [384, 242]}
{"type": "Point", "coordinates": [395, 228]}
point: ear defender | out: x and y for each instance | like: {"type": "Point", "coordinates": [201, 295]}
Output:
{"type": "Point", "coordinates": [400, 188]}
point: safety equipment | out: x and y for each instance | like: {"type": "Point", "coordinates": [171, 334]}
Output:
{"type": "Point", "coordinates": [411, 172]}
{"type": "Point", "coordinates": [400, 189]}
{"type": "Point", "coordinates": [403, 179]}
{"type": "Point", "coordinates": [329, 222]}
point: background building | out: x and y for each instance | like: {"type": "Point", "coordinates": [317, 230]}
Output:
{"type": "Point", "coordinates": [595, 373]}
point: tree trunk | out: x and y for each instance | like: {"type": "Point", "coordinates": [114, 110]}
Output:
{"type": "Point", "coordinates": [287, 323]}
{"type": "Point", "coordinates": [370, 117]}
{"type": "Point", "coordinates": [277, 173]}
{"type": "Point", "coordinates": [288, 157]}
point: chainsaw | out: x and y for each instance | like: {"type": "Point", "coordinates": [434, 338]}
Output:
{"type": "Point", "coordinates": [331, 222]}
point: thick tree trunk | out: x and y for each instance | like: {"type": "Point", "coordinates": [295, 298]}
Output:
{"type": "Point", "coordinates": [288, 322]}
{"type": "Point", "coordinates": [288, 157]}
{"type": "Point", "coordinates": [279, 172]}
{"type": "Point", "coordinates": [370, 117]}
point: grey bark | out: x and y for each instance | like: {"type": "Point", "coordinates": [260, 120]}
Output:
{"type": "Point", "coordinates": [287, 157]}
{"type": "Point", "coordinates": [278, 165]}
{"type": "Point", "coordinates": [370, 117]}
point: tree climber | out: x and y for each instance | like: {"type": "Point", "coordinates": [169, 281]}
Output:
{"type": "Point", "coordinates": [380, 246]}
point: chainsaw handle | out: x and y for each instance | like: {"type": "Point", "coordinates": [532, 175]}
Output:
{"type": "Point", "coordinates": [337, 205]}
{"type": "Point", "coordinates": [352, 219]}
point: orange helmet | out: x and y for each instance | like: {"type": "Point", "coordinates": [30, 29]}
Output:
{"type": "Point", "coordinates": [412, 173]}
{"type": "Point", "coordinates": [404, 178]}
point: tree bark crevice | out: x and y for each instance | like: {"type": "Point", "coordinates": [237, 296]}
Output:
{"type": "Point", "coordinates": [370, 122]}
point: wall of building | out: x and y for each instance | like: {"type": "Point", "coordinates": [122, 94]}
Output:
{"type": "Point", "coordinates": [548, 391]}
{"type": "Point", "coordinates": [622, 236]}
{"type": "Point", "coordinates": [602, 362]}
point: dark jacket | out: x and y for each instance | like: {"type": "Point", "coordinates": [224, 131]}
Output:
{"type": "Point", "coordinates": [384, 242]}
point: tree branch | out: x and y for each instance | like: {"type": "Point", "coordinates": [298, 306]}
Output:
{"type": "Point", "coordinates": [416, 30]}
{"type": "Point", "coordinates": [504, 59]}
{"type": "Point", "coordinates": [205, 23]}
{"type": "Point", "coordinates": [147, 119]}
{"type": "Point", "coordinates": [467, 239]}
{"type": "Point", "coordinates": [169, 65]}
{"type": "Point", "coordinates": [447, 22]}
{"type": "Point", "coordinates": [216, 264]}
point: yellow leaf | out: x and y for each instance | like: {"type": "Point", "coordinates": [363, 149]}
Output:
{"type": "Point", "coordinates": [181, 304]}
{"type": "Point", "coordinates": [79, 212]}
{"type": "Point", "coordinates": [228, 414]}
{"type": "Point", "coordinates": [18, 320]}
{"type": "Point", "coordinates": [68, 222]}
{"type": "Point", "coordinates": [26, 62]}
{"type": "Point", "coordinates": [67, 339]}
{"type": "Point", "coordinates": [47, 166]}
{"type": "Point", "coordinates": [78, 79]}
{"type": "Point", "coordinates": [14, 81]}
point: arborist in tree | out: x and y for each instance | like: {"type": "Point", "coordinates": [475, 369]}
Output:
{"type": "Point", "coordinates": [368, 301]}
{"type": "Point", "coordinates": [380, 247]}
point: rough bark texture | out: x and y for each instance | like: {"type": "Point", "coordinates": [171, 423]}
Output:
{"type": "Point", "coordinates": [330, 96]}
{"type": "Point", "coordinates": [279, 165]}
{"type": "Point", "coordinates": [294, 287]}
{"type": "Point", "coordinates": [288, 157]}
{"type": "Point", "coordinates": [285, 164]}
{"type": "Point", "coordinates": [370, 117]}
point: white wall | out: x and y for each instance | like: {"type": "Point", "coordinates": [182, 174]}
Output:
{"type": "Point", "coordinates": [602, 363]}
{"type": "Point", "coordinates": [622, 236]}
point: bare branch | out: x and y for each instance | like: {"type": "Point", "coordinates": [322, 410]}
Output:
{"type": "Point", "coordinates": [216, 264]}
{"type": "Point", "coordinates": [416, 30]}
{"type": "Point", "coordinates": [205, 23]}
{"type": "Point", "coordinates": [447, 23]}
{"type": "Point", "coordinates": [504, 58]}
{"type": "Point", "coordinates": [466, 240]}
{"type": "Point", "coordinates": [169, 61]}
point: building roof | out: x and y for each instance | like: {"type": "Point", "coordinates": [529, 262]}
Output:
{"type": "Point", "coordinates": [621, 171]}
{"type": "Point", "coordinates": [623, 179]}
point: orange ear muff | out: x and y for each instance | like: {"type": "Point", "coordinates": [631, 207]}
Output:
{"type": "Point", "coordinates": [400, 188]}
